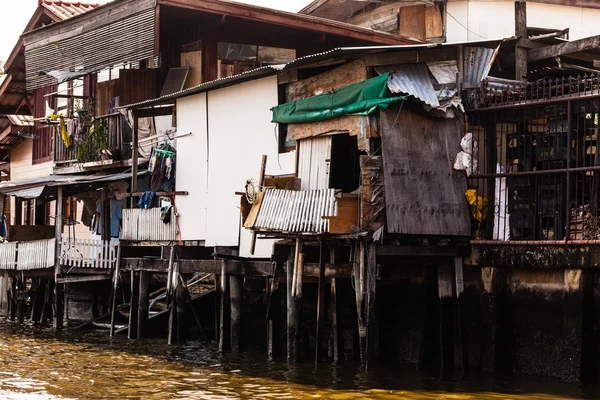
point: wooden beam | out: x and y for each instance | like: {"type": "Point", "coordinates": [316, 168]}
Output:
{"type": "Point", "coordinates": [520, 32]}
{"type": "Point", "coordinates": [154, 112]}
{"type": "Point", "coordinates": [287, 19]}
{"type": "Point", "coordinates": [85, 278]}
{"type": "Point", "coordinates": [247, 268]}
{"type": "Point", "coordinates": [571, 3]}
{"type": "Point", "coordinates": [564, 48]}
{"type": "Point", "coordinates": [410, 57]}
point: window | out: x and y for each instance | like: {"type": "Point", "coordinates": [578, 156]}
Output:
{"type": "Point", "coordinates": [44, 134]}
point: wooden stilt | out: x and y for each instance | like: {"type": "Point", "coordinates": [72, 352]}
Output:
{"type": "Point", "coordinates": [47, 310]}
{"type": "Point", "coordinates": [13, 299]}
{"type": "Point", "coordinates": [446, 313]}
{"type": "Point", "coordinates": [60, 287]}
{"type": "Point", "coordinates": [274, 313]}
{"type": "Point", "coordinates": [225, 317]}
{"type": "Point", "coordinates": [144, 302]}
{"type": "Point", "coordinates": [38, 301]}
{"type": "Point", "coordinates": [320, 302]}
{"type": "Point", "coordinates": [460, 305]}
{"type": "Point", "coordinates": [194, 313]}
{"type": "Point", "coordinates": [180, 307]}
{"type": "Point", "coordinates": [134, 305]}
{"type": "Point", "coordinates": [359, 288]}
{"type": "Point", "coordinates": [236, 285]}
{"type": "Point", "coordinates": [372, 305]}
{"type": "Point", "coordinates": [337, 332]}
{"type": "Point", "coordinates": [173, 284]}
{"type": "Point", "coordinates": [20, 302]}
{"type": "Point", "coordinates": [115, 285]}
{"type": "Point", "coordinates": [292, 315]}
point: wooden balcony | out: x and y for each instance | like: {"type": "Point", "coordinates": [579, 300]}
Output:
{"type": "Point", "coordinates": [93, 154]}
{"type": "Point", "coordinates": [82, 253]}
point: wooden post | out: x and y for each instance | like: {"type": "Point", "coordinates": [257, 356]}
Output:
{"type": "Point", "coordinates": [236, 285]}
{"type": "Point", "coordinates": [372, 320]}
{"type": "Point", "coordinates": [320, 302]}
{"type": "Point", "coordinates": [173, 284]}
{"type": "Point", "coordinates": [521, 33]}
{"type": "Point", "coordinates": [460, 305]}
{"type": "Point", "coordinates": [18, 211]}
{"type": "Point", "coordinates": [274, 313]}
{"type": "Point", "coordinates": [337, 332]}
{"type": "Point", "coordinates": [144, 302]}
{"type": "Point", "coordinates": [134, 154]}
{"type": "Point", "coordinates": [446, 313]}
{"type": "Point", "coordinates": [20, 302]}
{"type": "Point", "coordinates": [134, 305]}
{"type": "Point", "coordinates": [225, 316]}
{"type": "Point", "coordinates": [292, 314]}
{"type": "Point", "coordinates": [13, 299]}
{"type": "Point", "coordinates": [194, 313]}
{"type": "Point", "coordinates": [38, 301]}
{"type": "Point", "coordinates": [47, 310]}
{"type": "Point", "coordinates": [60, 287]}
{"type": "Point", "coordinates": [180, 306]}
{"type": "Point", "coordinates": [261, 181]}
{"type": "Point", "coordinates": [359, 288]}
{"type": "Point", "coordinates": [113, 305]}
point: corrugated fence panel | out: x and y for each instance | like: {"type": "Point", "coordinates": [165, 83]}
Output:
{"type": "Point", "coordinates": [146, 225]}
{"type": "Point", "coordinates": [296, 211]}
{"type": "Point", "coordinates": [313, 165]}
{"type": "Point", "coordinates": [8, 255]}
{"type": "Point", "coordinates": [116, 34]}
{"type": "Point", "coordinates": [35, 255]}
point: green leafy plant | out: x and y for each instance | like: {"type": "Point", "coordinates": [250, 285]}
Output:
{"type": "Point", "coordinates": [94, 142]}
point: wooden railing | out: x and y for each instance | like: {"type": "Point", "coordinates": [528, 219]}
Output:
{"type": "Point", "coordinates": [146, 225]}
{"type": "Point", "coordinates": [64, 156]}
{"type": "Point", "coordinates": [24, 256]}
{"type": "Point", "coordinates": [82, 253]}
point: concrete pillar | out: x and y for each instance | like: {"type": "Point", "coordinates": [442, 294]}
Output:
{"type": "Point", "coordinates": [293, 348]}
{"type": "Point", "coordinates": [225, 316]}
{"type": "Point", "coordinates": [496, 344]}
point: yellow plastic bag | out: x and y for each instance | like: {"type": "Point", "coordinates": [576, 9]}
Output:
{"type": "Point", "coordinates": [478, 205]}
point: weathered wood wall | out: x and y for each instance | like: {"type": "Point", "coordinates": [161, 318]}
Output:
{"type": "Point", "coordinates": [423, 194]}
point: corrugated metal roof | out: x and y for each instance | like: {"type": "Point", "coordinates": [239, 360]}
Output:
{"type": "Point", "coordinates": [20, 120]}
{"type": "Point", "coordinates": [34, 187]}
{"type": "Point", "coordinates": [65, 9]}
{"type": "Point", "coordinates": [411, 79]}
{"type": "Point", "coordinates": [292, 211]}
{"type": "Point", "coordinates": [477, 62]}
{"type": "Point", "coordinates": [347, 52]}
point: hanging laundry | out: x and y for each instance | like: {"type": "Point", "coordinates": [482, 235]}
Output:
{"type": "Point", "coordinates": [64, 134]}
{"type": "Point", "coordinates": [163, 168]}
{"type": "Point", "coordinates": [148, 200]}
{"type": "Point", "coordinates": [3, 230]}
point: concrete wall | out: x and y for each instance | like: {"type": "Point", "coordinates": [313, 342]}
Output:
{"type": "Point", "coordinates": [481, 19]}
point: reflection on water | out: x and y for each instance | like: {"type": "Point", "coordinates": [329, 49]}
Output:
{"type": "Point", "coordinates": [41, 364]}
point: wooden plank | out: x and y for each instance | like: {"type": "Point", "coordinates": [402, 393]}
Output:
{"type": "Point", "coordinates": [410, 57]}
{"type": "Point", "coordinates": [564, 48]}
{"type": "Point", "coordinates": [355, 125]}
{"type": "Point", "coordinates": [434, 23]}
{"type": "Point", "coordinates": [87, 278]}
{"type": "Point", "coordinates": [412, 22]}
{"type": "Point", "coordinates": [423, 194]}
{"type": "Point", "coordinates": [336, 78]}
{"type": "Point", "coordinates": [347, 216]}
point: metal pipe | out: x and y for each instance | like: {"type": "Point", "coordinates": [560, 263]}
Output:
{"type": "Point", "coordinates": [568, 183]}
{"type": "Point", "coordinates": [534, 242]}
{"type": "Point", "coordinates": [542, 172]}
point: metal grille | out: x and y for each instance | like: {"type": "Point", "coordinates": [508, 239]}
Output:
{"type": "Point", "coordinates": [90, 44]}
{"type": "Point", "coordinates": [539, 169]}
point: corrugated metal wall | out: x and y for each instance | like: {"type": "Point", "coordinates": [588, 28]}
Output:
{"type": "Point", "coordinates": [313, 164]}
{"type": "Point", "coordinates": [117, 33]}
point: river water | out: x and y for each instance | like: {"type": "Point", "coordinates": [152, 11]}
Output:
{"type": "Point", "coordinates": [38, 363]}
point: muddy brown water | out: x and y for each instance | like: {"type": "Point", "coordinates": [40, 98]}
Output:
{"type": "Point", "coordinates": [38, 363]}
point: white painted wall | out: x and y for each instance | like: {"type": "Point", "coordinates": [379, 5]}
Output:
{"type": "Point", "coordinates": [191, 173]}
{"type": "Point", "coordinates": [485, 19]}
{"type": "Point", "coordinates": [240, 131]}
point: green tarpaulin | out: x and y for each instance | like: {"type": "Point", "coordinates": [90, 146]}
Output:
{"type": "Point", "coordinates": [359, 99]}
